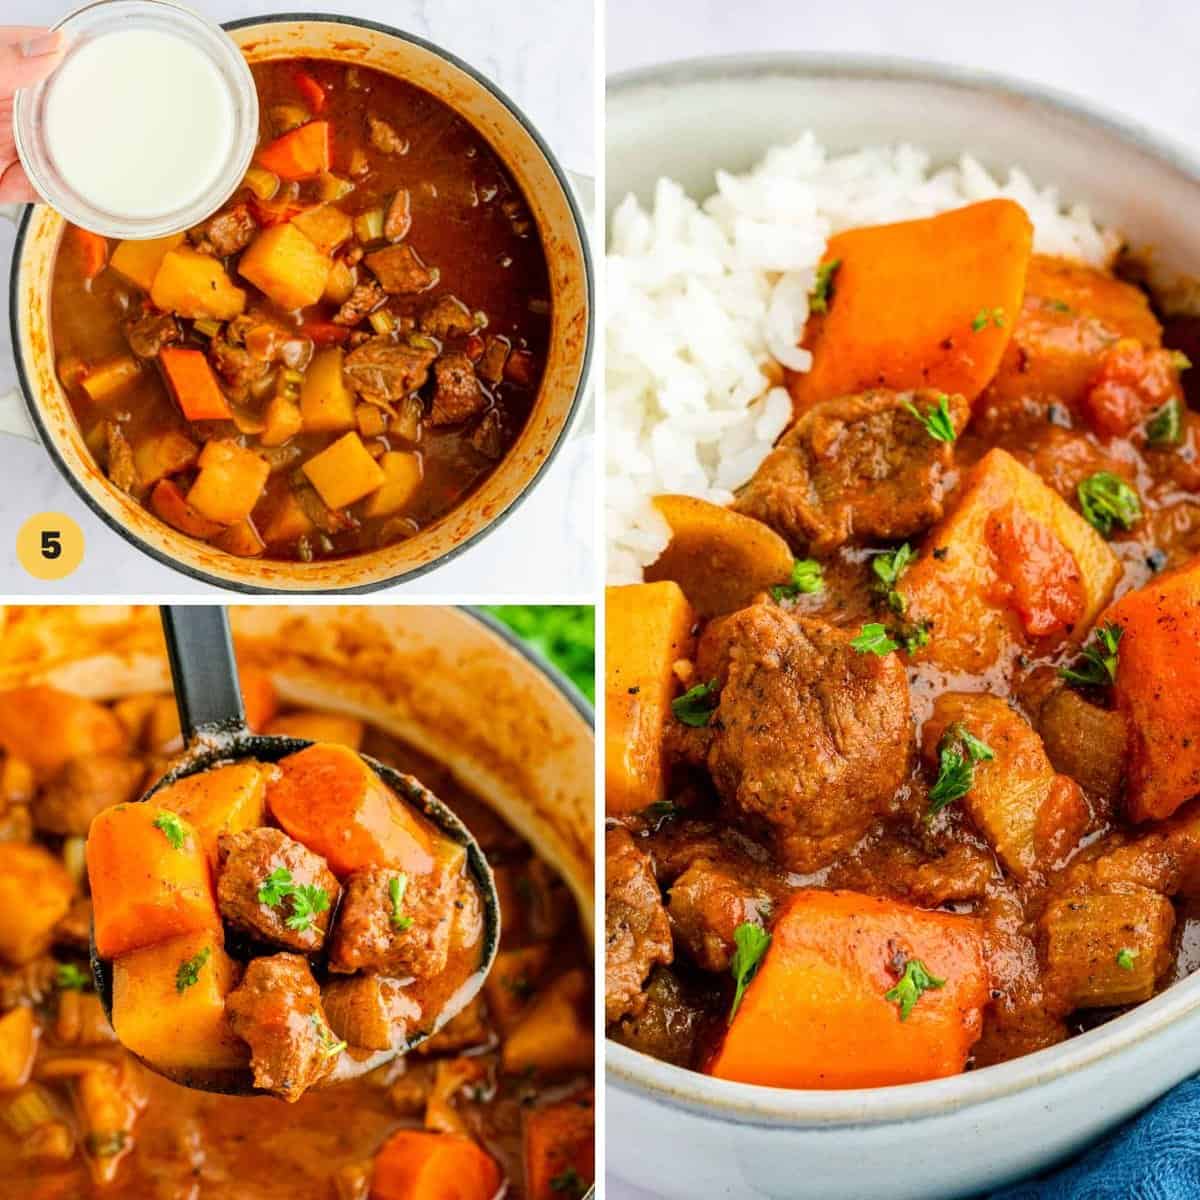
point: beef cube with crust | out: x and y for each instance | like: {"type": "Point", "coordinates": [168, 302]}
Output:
{"type": "Point", "coordinates": [709, 901]}
{"type": "Point", "coordinates": [637, 934]}
{"type": "Point", "coordinates": [370, 1010]}
{"type": "Point", "coordinates": [365, 298]}
{"type": "Point", "coordinates": [381, 370]}
{"type": "Point", "coordinates": [229, 232]}
{"type": "Point", "coordinates": [85, 787]}
{"type": "Point", "coordinates": [275, 889]}
{"type": "Point", "coordinates": [400, 270]}
{"type": "Point", "coordinates": [383, 137]}
{"type": "Point", "coordinates": [856, 469]}
{"type": "Point", "coordinates": [448, 316]}
{"type": "Point", "coordinates": [277, 1011]}
{"type": "Point", "coordinates": [457, 394]}
{"type": "Point", "coordinates": [488, 436]}
{"type": "Point", "coordinates": [236, 366]}
{"type": "Point", "coordinates": [810, 739]}
{"type": "Point", "coordinates": [394, 922]}
{"type": "Point", "coordinates": [149, 333]}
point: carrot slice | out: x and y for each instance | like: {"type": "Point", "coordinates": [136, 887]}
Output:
{"type": "Point", "coordinates": [817, 1014]}
{"type": "Point", "coordinates": [93, 251]}
{"type": "Point", "coordinates": [194, 385]}
{"type": "Point", "coordinates": [300, 153]}
{"type": "Point", "coordinates": [149, 877]}
{"type": "Point", "coordinates": [414, 1164]}
{"type": "Point", "coordinates": [329, 799]}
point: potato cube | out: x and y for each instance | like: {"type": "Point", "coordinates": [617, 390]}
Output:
{"type": "Point", "coordinates": [286, 266]}
{"type": "Point", "coordinates": [192, 284]}
{"type": "Point", "coordinates": [35, 893]}
{"type": "Point", "coordinates": [139, 261]}
{"type": "Point", "coordinates": [226, 799]}
{"type": "Point", "coordinates": [285, 520]}
{"type": "Point", "coordinates": [283, 421]}
{"type": "Point", "coordinates": [230, 482]}
{"type": "Point", "coordinates": [161, 453]}
{"type": "Point", "coordinates": [326, 403]}
{"type": "Point", "coordinates": [169, 1003]}
{"type": "Point", "coordinates": [402, 470]}
{"type": "Point", "coordinates": [110, 377]}
{"type": "Point", "coordinates": [344, 472]}
{"type": "Point", "coordinates": [1106, 949]}
{"type": "Point", "coordinates": [325, 226]}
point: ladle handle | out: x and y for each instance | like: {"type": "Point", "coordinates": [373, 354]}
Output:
{"type": "Point", "coordinates": [203, 670]}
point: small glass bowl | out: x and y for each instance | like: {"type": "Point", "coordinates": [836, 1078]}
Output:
{"type": "Point", "coordinates": [109, 16]}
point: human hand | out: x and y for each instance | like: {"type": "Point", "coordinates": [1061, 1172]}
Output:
{"type": "Point", "coordinates": [27, 54]}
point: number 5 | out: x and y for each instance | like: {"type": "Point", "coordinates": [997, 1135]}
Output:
{"type": "Point", "coordinates": [51, 543]}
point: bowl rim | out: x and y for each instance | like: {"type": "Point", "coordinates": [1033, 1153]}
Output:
{"type": "Point", "coordinates": [751, 1104]}
{"type": "Point", "coordinates": [245, 587]}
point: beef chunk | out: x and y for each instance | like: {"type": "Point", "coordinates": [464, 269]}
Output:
{"type": "Point", "coordinates": [854, 469]}
{"type": "Point", "coordinates": [277, 1011]}
{"type": "Point", "coordinates": [457, 395]}
{"type": "Point", "coordinates": [364, 299]}
{"type": "Point", "coordinates": [381, 370]}
{"type": "Point", "coordinates": [229, 232]}
{"type": "Point", "coordinates": [669, 1026]}
{"type": "Point", "coordinates": [495, 354]}
{"type": "Point", "coordinates": [121, 468]}
{"type": "Point", "coordinates": [709, 901]}
{"type": "Point", "coordinates": [383, 137]}
{"type": "Point", "coordinates": [488, 436]}
{"type": "Point", "coordinates": [85, 787]}
{"type": "Point", "coordinates": [398, 220]}
{"type": "Point", "coordinates": [411, 937]}
{"type": "Point", "coordinates": [400, 270]}
{"type": "Point", "coordinates": [371, 1011]}
{"type": "Point", "coordinates": [636, 931]}
{"type": "Point", "coordinates": [237, 367]}
{"type": "Point", "coordinates": [446, 317]}
{"type": "Point", "coordinates": [266, 862]}
{"type": "Point", "coordinates": [148, 334]}
{"type": "Point", "coordinates": [810, 739]}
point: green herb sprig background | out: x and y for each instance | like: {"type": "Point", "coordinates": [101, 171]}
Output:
{"type": "Point", "coordinates": [563, 633]}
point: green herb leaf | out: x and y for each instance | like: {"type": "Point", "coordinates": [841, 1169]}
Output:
{"type": "Point", "coordinates": [105, 1143]}
{"type": "Point", "coordinates": [1060, 306]}
{"type": "Point", "coordinates": [563, 633]}
{"type": "Point", "coordinates": [567, 1183]}
{"type": "Point", "coordinates": [988, 316]}
{"type": "Point", "coordinates": [822, 293]}
{"type": "Point", "coordinates": [1107, 500]}
{"type": "Point", "coordinates": [189, 970]}
{"type": "Point", "coordinates": [329, 1044]}
{"type": "Point", "coordinates": [873, 640]}
{"type": "Point", "coordinates": [1097, 664]}
{"type": "Point", "coordinates": [750, 944]}
{"type": "Point", "coordinates": [397, 886]}
{"type": "Point", "coordinates": [173, 828]}
{"type": "Point", "coordinates": [958, 752]}
{"type": "Point", "coordinates": [1125, 957]}
{"type": "Point", "coordinates": [695, 707]}
{"type": "Point", "coordinates": [276, 887]}
{"type": "Point", "coordinates": [911, 986]}
{"type": "Point", "coordinates": [69, 978]}
{"type": "Point", "coordinates": [913, 635]}
{"type": "Point", "coordinates": [660, 810]}
{"type": "Point", "coordinates": [806, 578]}
{"type": "Point", "coordinates": [888, 568]}
{"type": "Point", "coordinates": [308, 901]}
{"type": "Point", "coordinates": [938, 422]}
{"type": "Point", "coordinates": [1165, 427]}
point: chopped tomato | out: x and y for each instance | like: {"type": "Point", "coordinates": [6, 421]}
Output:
{"type": "Point", "coordinates": [1130, 383]}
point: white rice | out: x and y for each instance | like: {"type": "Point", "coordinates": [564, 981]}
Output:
{"type": "Point", "coordinates": [704, 299]}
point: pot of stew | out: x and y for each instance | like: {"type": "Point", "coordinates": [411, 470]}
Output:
{"type": "Point", "coordinates": [359, 364]}
{"type": "Point", "coordinates": [500, 1098]}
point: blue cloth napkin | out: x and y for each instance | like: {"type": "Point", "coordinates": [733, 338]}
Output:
{"type": "Point", "coordinates": [1156, 1156]}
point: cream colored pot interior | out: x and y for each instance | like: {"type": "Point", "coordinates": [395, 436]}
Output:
{"type": "Point", "coordinates": [562, 377]}
{"type": "Point", "coordinates": [438, 678]}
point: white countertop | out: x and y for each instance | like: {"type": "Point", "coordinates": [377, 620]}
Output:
{"type": "Point", "coordinates": [1135, 57]}
{"type": "Point", "coordinates": [538, 52]}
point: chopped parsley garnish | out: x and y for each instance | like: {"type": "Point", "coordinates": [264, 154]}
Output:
{"type": "Point", "coordinates": [329, 1044]}
{"type": "Point", "coordinates": [695, 707]}
{"type": "Point", "coordinates": [105, 1143]}
{"type": "Point", "coordinates": [822, 293]}
{"type": "Point", "coordinates": [1125, 958]}
{"type": "Point", "coordinates": [189, 970]}
{"type": "Point", "coordinates": [911, 986]}
{"type": "Point", "coordinates": [750, 942]}
{"type": "Point", "coordinates": [1097, 664]}
{"type": "Point", "coordinates": [888, 568]}
{"type": "Point", "coordinates": [1060, 306]}
{"type": "Point", "coordinates": [914, 634]}
{"type": "Point", "coordinates": [874, 639]}
{"type": "Point", "coordinates": [660, 810]}
{"type": "Point", "coordinates": [172, 827]}
{"type": "Point", "coordinates": [1180, 361]}
{"type": "Point", "coordinates": [806, 578]}
{"type": "Point", "coordinates": [988, 316]}
{"type": "Point", "coordinates": [307, 900]}
{"type": "Point", "coordinates": [69, 978]}
{"type": "Point", "coordinates": [1107, 500]}
{"type": "Point", "coordinates": [567, 1183]}
{"type": "Point", "coordinates": [1165, 427]}
{"type": "Point", "coordinates": [397, 886]}
{"type": "Point", "coordinates": [938, 422]}
{"type": "Point", "coordinates": [958, 752]}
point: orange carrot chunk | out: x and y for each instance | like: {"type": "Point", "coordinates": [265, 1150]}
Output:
{"type": "Point", "coordinates": [300, 153]}
{"type": "Point", "coordinates": [329, 799]}
{"type": "Point", "coordinates": [194, 385]}
{"type": "Point", "coordinates": [149, 877]}
{"type": "Point", "coordinates": [559, 1144]}
{"type": "Point", "coordinates": [919, 304]}
{"type": "Point", "coordinates": [856, 991]}
{"type": "Point", "coordinates": [93, 251]}
{"type": "Point", "coordinates": [414, 1164]}
{"type": "Point", "coordinates": [1158, 690]}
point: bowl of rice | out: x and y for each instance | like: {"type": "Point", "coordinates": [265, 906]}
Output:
{"type": "Point", "coordinates": [725, 180]}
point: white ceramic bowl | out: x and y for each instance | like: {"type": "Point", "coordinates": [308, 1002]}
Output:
{"type": "Point", "coordinates": [682, 1134]}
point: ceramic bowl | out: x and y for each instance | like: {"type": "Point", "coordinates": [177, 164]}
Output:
{"type": "Point", "coordinates": [560, 225]}
{"type": "Point", "coordinates": [681, 1134]}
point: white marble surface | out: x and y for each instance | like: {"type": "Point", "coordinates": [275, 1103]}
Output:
{"type": "Point", "coordinates": [540, 52]}
{"type": "Point", "coordinates": [1136, 57]}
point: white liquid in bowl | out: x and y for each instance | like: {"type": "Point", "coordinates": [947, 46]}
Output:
{"type": "Point", "coordinates": [139, 122]}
